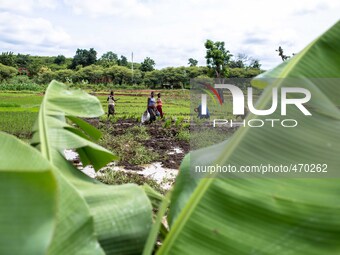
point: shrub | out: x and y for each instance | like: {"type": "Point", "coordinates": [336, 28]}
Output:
{"type": "Point", "coordinates": [7, 72]}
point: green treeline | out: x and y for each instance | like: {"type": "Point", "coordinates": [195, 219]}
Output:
{"type": "Point", "coordinates": [110, 69]}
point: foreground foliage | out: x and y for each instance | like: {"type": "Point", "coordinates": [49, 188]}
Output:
{"type": "Point", "coordinates": [83, 216]}
{"type": "Point", "coordinates": [269, 216]}
{"type": "Point", "coordinates": [47, 206]}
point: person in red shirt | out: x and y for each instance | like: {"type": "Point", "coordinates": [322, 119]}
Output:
{"type": "Point", "coordinates": [159, 105]}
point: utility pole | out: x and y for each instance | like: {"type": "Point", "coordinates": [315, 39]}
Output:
{"type": "Point", "coordinates": [132, 66]}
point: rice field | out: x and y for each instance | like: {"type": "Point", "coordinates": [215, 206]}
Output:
{"type": "Point", "coordinates": [132, 105]}
{"type": "Point", "coordinates": [18, 111]}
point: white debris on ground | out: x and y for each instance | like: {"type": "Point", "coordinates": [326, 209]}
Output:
{"type": "Point", "coordinates": [70, 154]}
{"type": "Point", "coordinates": [163, 176]}
{"type": "Point", "coordinates": [175, 150]}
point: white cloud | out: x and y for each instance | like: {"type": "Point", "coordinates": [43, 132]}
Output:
{"type": "Point", "coordinates": [125, 8]}
{"type": "Point", "coordinates": [24, 33]}
{"type": "Point", "coordinates": [170, 32]}
{"type": "Point", "coordinates": [27, 6]}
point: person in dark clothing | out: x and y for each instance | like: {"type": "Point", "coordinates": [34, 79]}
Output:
{"type": "Point", "coordinates": [151, 106]}
{"type": "Point", "coordinates": [199, 112]}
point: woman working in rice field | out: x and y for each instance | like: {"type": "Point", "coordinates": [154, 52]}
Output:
{"type": "Point", "coordinates": [159, 105]}
{"type": "Point", "coordinates": [111, 107]}
{"type": "Point", "coordinates": [151, 106]}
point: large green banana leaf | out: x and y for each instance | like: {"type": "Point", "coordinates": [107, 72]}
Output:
{"type": "Point", "coordinates": [118, 216]}
{"type": "Point", "coordinates": [28, 199]}
{"type": "Point", "coordinates": [270, 215]}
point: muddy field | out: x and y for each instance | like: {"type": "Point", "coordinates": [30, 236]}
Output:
{"type": "Point", "coordinates": [163, 142]}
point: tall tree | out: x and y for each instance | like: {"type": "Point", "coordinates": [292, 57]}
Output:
{"type": "Point", "coordinates": [23, 60]}
{"type": "Point", "coordinates": [122, 61]}
{"type": "Point", "coordinates": [60, 60]}
{"type": "Point", "coordinates": [217, 57]}
{"type": "Point", "coordinates": [217, 60]}
{"type": "Point", "coordinates": [192, 62]}
{"type": "Point", "coordinates": [84, 57]}
{"type": "Point", "coordinates": [8, 58]}
{"type": "Point", "coordinates": [147, 65]}
{"type": "Point", "coordinates": [108, 59]}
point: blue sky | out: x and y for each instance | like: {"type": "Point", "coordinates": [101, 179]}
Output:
{"type": "Point", "coordinates": [169, 32]}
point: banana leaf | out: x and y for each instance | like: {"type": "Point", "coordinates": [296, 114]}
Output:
{"type": "Point", "coordinates": [235, 215]}
{"type": "Point", "coordinates": [92, 218]}
{"type": "Point", "coordinates": [28, 198]}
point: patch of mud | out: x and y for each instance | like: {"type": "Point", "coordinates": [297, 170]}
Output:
{"type": "Point", "coordinates": [162, 140]}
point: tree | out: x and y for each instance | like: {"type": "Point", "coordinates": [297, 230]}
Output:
{"type": "Point", "coordinates": [65, 75]}
{"type": "Point", "coordinates": [45, 75]}
{"type": "Point", "coordinates": [241, 61]}
{"type": "Point", "coordinates": [244, 61]}
{"type": "Point", "coordinates": [59, 60]}
{"type": "Point", "coordinates": [108, 59]}
{"type": "Point", "coordinates": [236, 64]}
{"type": "Point", "coordinates": [217, 57]}
{"type": "Point", "coordinates": [192, 62]}
{"type": "Point", "coordinates": [84, 57]}
{"type": "Point", "coordinates": [153, 79]}
{"type": "Point", "coordinates": [119, 75]}
{"type": "Point", "coordinates": [195, 71]}
{"type": "Point", "coordinates": [217, 60]}
{"type": "Point", "coordinates": [122, 61]}
{"type": "Point", "coordinates": [91, 74]}
{"type": "Point", "coordinates": [23, 60]}
{"type": "Point", "coordinates": [255, 63]}
{"type": "Point", "coordinates": [147, 65]}
{"type": "Point", "coordinates": [175, 76]}
{"type": "Point", "coordinates": [34, 66]}
{"type": "Point", "coordinates": [8, 59]}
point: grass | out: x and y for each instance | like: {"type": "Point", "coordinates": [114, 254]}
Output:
{"type": "Point", "coordinates": [4, 104]}
{"type": "Point", "coordinates": [129, 146]}
{"type": "Point", "coordinates": [18, 112]}
{"type": "Point", "coordinates": [120, 177]}
{"type": "Point", "coordinates": [18, 123]}
{"type": "Point", "coordinates": [184, 135]}
{"type": "Point", "coordinates": [208, 136]}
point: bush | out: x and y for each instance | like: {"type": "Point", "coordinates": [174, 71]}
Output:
{"type": "Point", "coordinates": [7, 72]}
{"type": "Point", "coordinates": [65, 75]}
{"type": "Point", "coordinates": [20, 83]}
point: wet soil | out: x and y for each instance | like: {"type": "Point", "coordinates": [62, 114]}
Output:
{"type": "Point", "coordinates": [163, 141]}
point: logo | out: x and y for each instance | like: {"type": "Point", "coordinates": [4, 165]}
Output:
{"type": "Point", "coordinates": [238, 104]}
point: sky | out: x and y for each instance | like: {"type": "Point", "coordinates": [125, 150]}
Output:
{"type": "Point", "coordinates": [170, 32]}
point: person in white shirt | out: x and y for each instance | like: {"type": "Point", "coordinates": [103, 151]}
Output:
{"type": "Point", "coordinates": [111, 107]}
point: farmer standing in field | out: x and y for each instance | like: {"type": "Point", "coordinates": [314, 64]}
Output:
{"type": "Point", "coordinates": [151, 106]}
{"type": "Point", "coordinates": [199, 112]}
{"type": "Point", "coordinates": [111, 107]}
{"type": "Point", "coordinates": [159, 105]}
